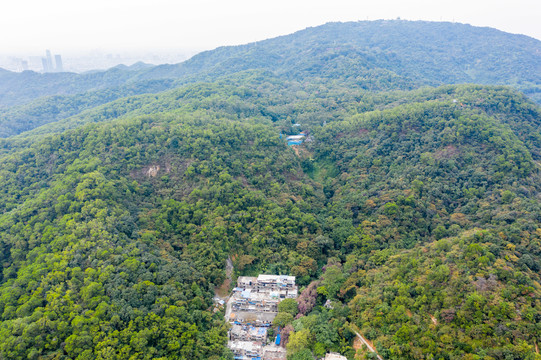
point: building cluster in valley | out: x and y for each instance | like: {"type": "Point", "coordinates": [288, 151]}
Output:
{"type": "Point", "coordinates": [251, 309]}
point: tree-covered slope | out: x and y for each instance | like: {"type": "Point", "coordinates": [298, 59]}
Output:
{"type": "Point", "coordinates": [246, 94]}
{"type": "Point", "coordinates": [20, 88]}
{"type": "Point", "coordinates": [114, 235]}
{"type": "Point", "coordinates": [425, 52]}
{"type": "Point", "coordinates": [369, 55]}
{"type": "Point", "coordinates": [45, 110]}
{"type": "Point", "coordinates": [415, 213]}
{"type": "Point", "coordinates": [460, 188]}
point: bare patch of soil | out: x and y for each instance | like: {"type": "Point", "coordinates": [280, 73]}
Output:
{"type": "Point", "coordinates": [447, 152]}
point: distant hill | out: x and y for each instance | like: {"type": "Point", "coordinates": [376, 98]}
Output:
{"type": "Point", "coordinates": [45, 110]}
{"type": "Point", "coordinates": [134, 67]}
{"type": "Point", "coordinates": [20, 88]}
{"type": "Point", "coordinates": [378, 55]}
{"type": "Point", "coordinates": [430, 53]}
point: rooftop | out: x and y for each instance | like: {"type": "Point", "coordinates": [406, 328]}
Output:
{"type": "Point", "coordinates": [295, 137]}
{"type": "Point", "coordinates": [251, 316]}
{"type": "Point", "coordinates": [244, 345]}
{"type": "Point", "coordinates": [271, 296]}
{"type": "Point", "coordinates": [249, 330]}
{"type": "Point", "coordinates": [280, 278]}
{"type": "Point", "coordinates": [335, 356]}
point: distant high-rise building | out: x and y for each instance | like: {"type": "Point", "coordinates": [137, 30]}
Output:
{"type": "Point", "coordinates": [45, 65]}
{"type": "Point", "coordinates": [58, 63]}
{"type": "Point", "coordinates": [24, 65]}
{"type": "Point", "coordinates": [49, 60]}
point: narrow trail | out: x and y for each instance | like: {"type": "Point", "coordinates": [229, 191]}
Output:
{"type": "Point", "coordinates": [364, 341]}
{"type": "Point", "coordinates": [229, 269]}
{"type": "Point", "coordinates": [222, 291]}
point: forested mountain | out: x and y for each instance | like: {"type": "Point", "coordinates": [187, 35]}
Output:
{"type": "Point", "coordinates": [20, 88]}
{"type": "Point", "coordinates": [422, 52]}
{"type": "Point", "coordinates": [371, 55]}
{"type": "Point", "coordinates": [410, 215]}
{"type": "Point", "coordinates": [245, 94]}
{"type": "Point", "coordinates": [431, 171]}
{"type": "Point", "coordinates": [45, 110]}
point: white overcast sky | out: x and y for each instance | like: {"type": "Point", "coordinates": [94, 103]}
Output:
{"type": "Point", "coordinates": [70, 25]}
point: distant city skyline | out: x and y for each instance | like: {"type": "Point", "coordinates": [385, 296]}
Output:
{"type": "Point", "coordinates": [119, 25]}
{"type": "Point", "coordinates": [47, 63]}
{"type": "Point", "coordinates": [31, 63]}
{"type": "Point", "coordinates": [89, 60]}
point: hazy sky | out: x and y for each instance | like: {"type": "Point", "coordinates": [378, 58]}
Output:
{"type": "Point", "coordinates": [64, 25]}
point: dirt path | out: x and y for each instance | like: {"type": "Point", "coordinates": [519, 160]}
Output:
{"type": "Point", "coordinates": [222, 291]}
{"type": "Point", "coordinates": [368, 344]}
{"type": "Point", "coordinates": [229, 268]}
{"type": "Point", "coordinates": [228, 309]}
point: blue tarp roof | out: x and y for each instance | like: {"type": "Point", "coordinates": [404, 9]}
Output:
{"type": "Point", "coordinates": [278, 338]}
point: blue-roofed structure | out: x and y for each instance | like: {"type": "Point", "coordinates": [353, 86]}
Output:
{"type": "Point", "coordinates": [296, 137]}
{"type": "Point", "coordinates": [278, 339]}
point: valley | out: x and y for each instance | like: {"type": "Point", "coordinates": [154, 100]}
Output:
{"type": "Point", "coordinates": [406, 207]}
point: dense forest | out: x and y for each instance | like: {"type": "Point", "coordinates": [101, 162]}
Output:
{"type": "Point", "coordinates": [411, 215]}
{"type": "Point", "coordinates": [372, 55]}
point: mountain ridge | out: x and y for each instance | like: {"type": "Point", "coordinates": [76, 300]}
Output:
{"type": "Point", "coordinates": [203, 64]}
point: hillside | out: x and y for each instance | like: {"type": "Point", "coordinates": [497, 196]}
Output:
{"type": "Point", "coordinates": [428, 53]}
{"type": "Point", "coordinates": [366, 55]}
{"type": "Point", "coordinates": [156, 240]}
{"type": "Point", "coordinates": [20, 88]}
{"type": "Point", "coordinates": [417, 216]}
{"type": "Point", "coordinates": [461, 190]}
{"type": "Point", "coordinates": [410, 214]}
{"type": "Point", "coordinates": [46, 110]}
